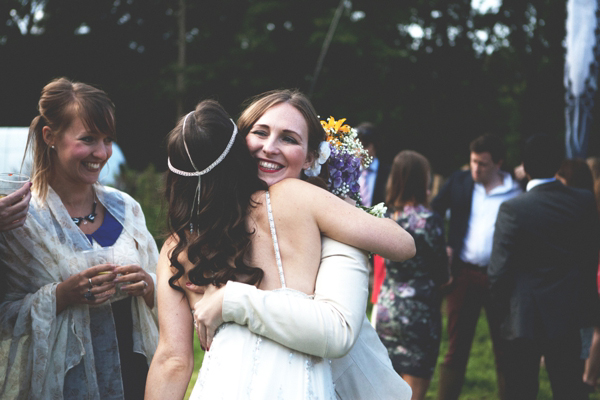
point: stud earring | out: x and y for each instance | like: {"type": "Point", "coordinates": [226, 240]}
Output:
{"type": "Point", "coordinates": [52, 146]}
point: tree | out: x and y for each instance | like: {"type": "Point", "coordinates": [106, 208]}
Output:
{"type": "Point", "coordinates": [432, 74]}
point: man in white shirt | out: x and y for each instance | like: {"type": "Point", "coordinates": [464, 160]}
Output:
{"type": "Point", "coordinates": [473, 198]}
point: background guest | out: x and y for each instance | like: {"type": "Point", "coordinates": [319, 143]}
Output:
{"type": "Point", "coordinates": [372, 183]}
{"type": "Point", "coordinates": [473, 198]}
{"type": "Point", "coordinates": [67, 331]}
{"type": "Point", "coordinates": [409, 321]}
{"type": "Point", "coordinates": [372, 180]}
{"type": "Point", "coordinates": [592, 363]}
{"type": "Point", "coordinates": [576, 172]}
{"type": "Point", "coordinates": [542, 269]}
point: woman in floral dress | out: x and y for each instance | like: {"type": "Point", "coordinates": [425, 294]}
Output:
{"type": "Point", "coordinates": [408, 316]}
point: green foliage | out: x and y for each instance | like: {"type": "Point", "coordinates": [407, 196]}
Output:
{"type": "Point", "coordinates": [468, 74]}
{"type": "Point", "coordinates": [147, 187]}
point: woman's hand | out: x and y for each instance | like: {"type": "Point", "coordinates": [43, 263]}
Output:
{"type": "Point", "coordinates": [208, 314]}
{"type": "Point", "coordinates": [14, 207]}
{"type": "Point", "coordinates": [87, 287]}
{"type": "Point", "coordinates": [137, 282]}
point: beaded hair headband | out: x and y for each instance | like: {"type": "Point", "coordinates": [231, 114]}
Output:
{"type": "Point", "coordinates": [197, 173]}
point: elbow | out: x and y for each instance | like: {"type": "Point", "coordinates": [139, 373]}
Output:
{"type": "Point", "coordinates": [406, 249]}
{"type": "Point", "coordinates": [340, 348]}
{"type": "Point", "coordinates": [175, 366]}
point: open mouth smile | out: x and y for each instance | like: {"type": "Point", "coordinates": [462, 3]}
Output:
{"type": "Point", "coordinates": [92, 166]}
{"type": "Point", "coordinates": [269, 166]}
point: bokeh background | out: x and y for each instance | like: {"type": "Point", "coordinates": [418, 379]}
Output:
{"type": "Point", "coordinates": [432, 74]}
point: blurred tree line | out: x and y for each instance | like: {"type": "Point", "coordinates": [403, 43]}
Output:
{"type": "Point", "coordinates": [432, 74]}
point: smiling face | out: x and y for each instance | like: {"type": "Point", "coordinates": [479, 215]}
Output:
{"type": "Point", "coordinates": [80, 154]}
{"type": "Point", "coordinates": [279, 142]}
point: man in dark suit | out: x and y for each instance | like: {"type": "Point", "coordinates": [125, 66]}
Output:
{"type": "Point", "coordinates": [373, 179]}
{"type": "Point", "coordinates": [542, 274]}
{"type": "Point", "coordinates": [473, 198]}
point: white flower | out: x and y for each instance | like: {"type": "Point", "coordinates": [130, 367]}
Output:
{"type": "Point", "coordinates": [406, 291]}
{"type": "Point", "coordinates": [314, 169]}
{"type": "Point", "coordinates": [324, 152]}
{"type": "Point", "coordinates": [323, 155]}
{"type": "Point", "coordinates": [378, 210]}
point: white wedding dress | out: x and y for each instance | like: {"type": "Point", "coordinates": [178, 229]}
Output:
{"type": "Point", "coordinates": [243, 365]}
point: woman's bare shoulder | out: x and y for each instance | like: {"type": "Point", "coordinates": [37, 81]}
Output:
{"type": "Point", "coordinates": [297, 189]}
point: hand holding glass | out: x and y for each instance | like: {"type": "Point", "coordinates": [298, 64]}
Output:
{"type": "Point", "coordinates": [10, 182]}
{"type": "Point", "coordinates": [104, 255]}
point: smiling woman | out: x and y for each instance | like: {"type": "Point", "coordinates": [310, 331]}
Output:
{"type": "Point", "coordinates": [279, 141]}
{"type": "Point", "coordinates": [282, 134]}
{"type": "Point", "coordinates": [52, 285]}
{"type": "Point", "coordinates": [13, 158]}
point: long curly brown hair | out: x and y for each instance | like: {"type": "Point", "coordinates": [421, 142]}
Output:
{"type": "Point", "coordinates": [220, 237]}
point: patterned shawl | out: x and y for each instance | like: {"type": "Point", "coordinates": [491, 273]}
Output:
{"type": "Point", "coordinates": [38, 347]}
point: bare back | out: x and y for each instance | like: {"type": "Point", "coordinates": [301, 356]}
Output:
{"type": "Point", "coordinates": [299, 242]}
{"type": "Point", "coordinates": [302, 212]}
{"type": "Point", "coordinates": [298, 238]}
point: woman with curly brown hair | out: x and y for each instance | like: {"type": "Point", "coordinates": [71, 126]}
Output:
{"type": "Point", "coordinates": [235, 229]}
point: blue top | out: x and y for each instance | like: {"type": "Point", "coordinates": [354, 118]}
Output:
{"type": "Point", "coordinates": [108, 233]}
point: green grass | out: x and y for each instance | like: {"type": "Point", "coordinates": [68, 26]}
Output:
{"type": "Point", "coordinates": [480, 380]}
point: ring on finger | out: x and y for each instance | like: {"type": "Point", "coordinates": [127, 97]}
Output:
{"type": "Point", "coordinates": [90, 282]}
{"type": "Point", "coordinates": [145, 284]}
{"type": "Point", "coordinates": [89, 295]}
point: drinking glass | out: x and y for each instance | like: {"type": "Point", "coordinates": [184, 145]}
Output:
{"type": "Point", "coordinates": [10, 182]}
{"type": "Point", "coordinates": [104, 255]}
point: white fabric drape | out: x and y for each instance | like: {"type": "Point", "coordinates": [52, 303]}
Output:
{"type": "Point", "coordinates": [581, 73]}
{"type": "Point", "coordinates": [38, 347]}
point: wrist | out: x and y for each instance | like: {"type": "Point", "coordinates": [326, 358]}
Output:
{"type": "Point", "coordinates": [61, 301]}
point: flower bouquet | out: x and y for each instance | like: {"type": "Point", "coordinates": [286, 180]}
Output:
{"type": "Point", "coordinates": [344, 155]}
{"type": "Point", "coordinates": [347, 157]}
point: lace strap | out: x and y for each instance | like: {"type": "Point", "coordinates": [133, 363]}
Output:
{"type": "Point", "coordinates": [275, 242]}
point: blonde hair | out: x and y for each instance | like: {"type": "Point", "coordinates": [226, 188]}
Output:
{"type": "Point", "coordinates": [61, 102]}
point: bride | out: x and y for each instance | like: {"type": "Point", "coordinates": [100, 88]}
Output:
{"type": "Point", "coordinates": [227, 227]}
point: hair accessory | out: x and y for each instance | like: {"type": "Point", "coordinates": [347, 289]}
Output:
{"type": "Point", "coordinates": [197, 173]}
{"type": "Point", "coordinates": [324, 152]}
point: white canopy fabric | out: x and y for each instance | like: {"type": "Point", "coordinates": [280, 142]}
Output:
{"type": "Point", "coordinates": [12, 146]}
{"type": "Point", "coordinates": [580, 40]}
{"type": "Point", "coordinates": [581, 73]}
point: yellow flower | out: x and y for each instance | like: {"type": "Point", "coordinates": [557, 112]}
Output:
{"type": "Point", "coordinates": [333, 126]}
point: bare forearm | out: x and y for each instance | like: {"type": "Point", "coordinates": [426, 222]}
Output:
{"type": "Point", "coordinates": [168, 377]}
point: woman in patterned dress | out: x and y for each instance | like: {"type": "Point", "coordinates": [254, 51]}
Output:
{"type": "Point", "coordinates": [408, 317]}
